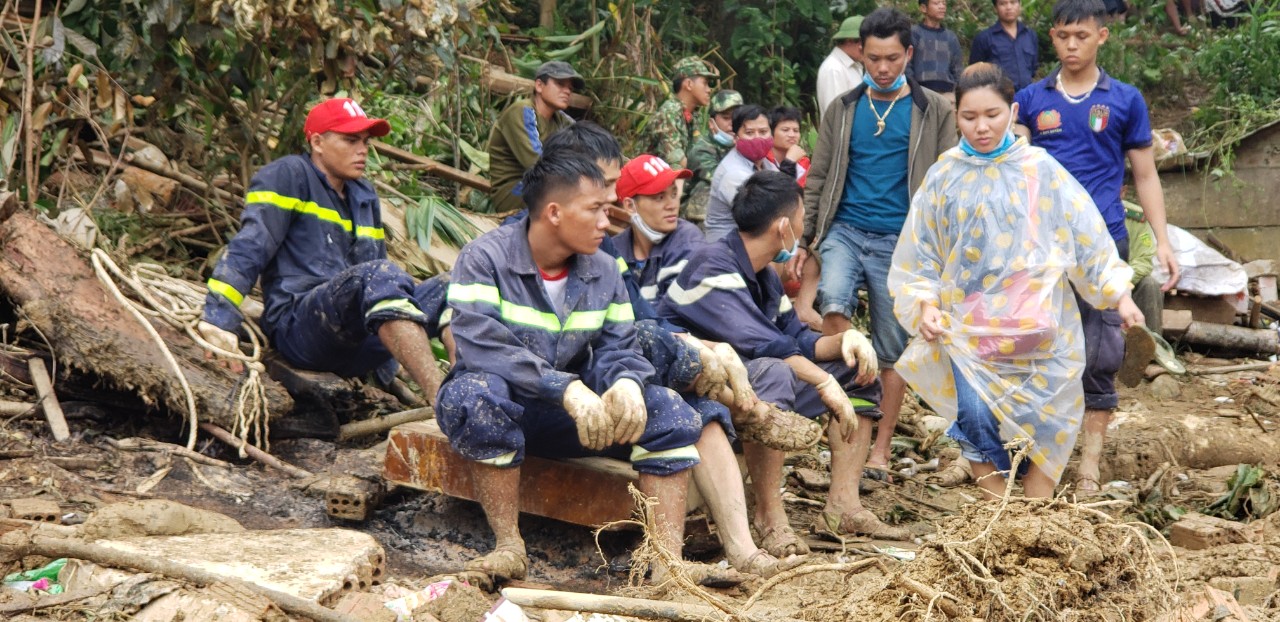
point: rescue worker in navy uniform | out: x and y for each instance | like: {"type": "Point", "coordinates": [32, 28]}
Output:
{"type": "Point", "coordinates": [728, 293]}
{"type": "Point", "coordinates": [312, 230]}
{"type": "Point", "coordinates": [548, 362]}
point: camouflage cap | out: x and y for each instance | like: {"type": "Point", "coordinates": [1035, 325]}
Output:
{"type": "Point", "coordinates": [724, 100]}
{"type": "Point", "coordinates": [691, 66]}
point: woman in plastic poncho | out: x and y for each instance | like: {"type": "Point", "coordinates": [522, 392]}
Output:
{"type": "Point", "coordinates": [998, 235]}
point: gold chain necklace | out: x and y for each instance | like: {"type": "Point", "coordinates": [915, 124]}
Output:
{"type": "Point", "coordinates": [881, 117]}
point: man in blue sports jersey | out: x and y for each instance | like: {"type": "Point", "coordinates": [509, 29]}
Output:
{"type": "Point", "coordinates": [1090, 123]}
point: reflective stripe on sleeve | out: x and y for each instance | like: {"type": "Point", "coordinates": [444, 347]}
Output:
{"type": "Point", "coordinates": [500, 461]}
{"type": "Point", "coordinates": [226, 291]}
{"type": "Point", "coordinates": [402, 305]}
{"type": "Point", "coordinates": [682, 296]}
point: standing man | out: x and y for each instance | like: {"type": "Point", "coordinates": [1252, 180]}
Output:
{"type": "Point", "coordinates": [873, 150]}
{"type": "Point", "coordinates": [1008, 44]}
{"type": "Point", "coordinates": [705, 155]}
{"type": "Point", "coordinates": [938, 60]}
{"type": "Point", "coordinates": [516, 139]}
{"type": "Point", "coordinates": [673, 128]}
{"type": "Point", "coordinates": [1091, 123]}
{"type": "Point", "coordinates": [842, 69]}
{"type": "Point", "coordinates": [312, 230]}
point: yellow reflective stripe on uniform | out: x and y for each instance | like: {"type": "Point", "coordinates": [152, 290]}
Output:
{"type": "Point", "coordinates": [727, 281]}
{"type": "Point", "coordinates": [688, 452]}
{"type": "Point", "coordinates": [227, 291]}
{"type": "Point", "coordinates": [314, 209]}
{"type": "Point", "coordinates": [500, 461]}
{"type": "Point", "coordinates": [620, 312]}
{"type": "Point", "coordinates": [396, 304]}
{"type": "Point", "coordinates": [622, 265]}
{"type": "Point", "coordinates": [446, 317]}
{"type": "Point", "coordinates": [474, 292]}
{"type": "Point", "coordinates": [529, 316]}
{"type": "Point", "coordinates": [784, 305]}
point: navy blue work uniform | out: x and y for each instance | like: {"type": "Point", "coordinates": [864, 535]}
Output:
{"type": "Point", "coordinates": [719, 297]}
{"type": "Point", "coordinates": [517, 354]}
{"type": "Point", "coordinates": [1090, 139]}
{"type": "Point", "coordinates": [1017, 56]}
{"type": "Point", "coordinates": [327, 284]}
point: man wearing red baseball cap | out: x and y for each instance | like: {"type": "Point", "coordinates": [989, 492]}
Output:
{"type": "Point", "coordinates": [658, 240]}
{"type": "Point", "coordinates": [312, 230]}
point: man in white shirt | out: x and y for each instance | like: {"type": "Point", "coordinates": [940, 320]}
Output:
{"type": "Point", "coordinates": [842, 70]}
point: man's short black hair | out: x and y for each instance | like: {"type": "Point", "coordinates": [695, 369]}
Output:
{"type": "Point", "coordinates": [1075, 11]}
{"type": "Point", "coordinates": [744, 113]}
{"type": "Point", "coordinates": [677, 83]}
{"type": "Point", "coordinates": [886, 22]}
{"type": "Point", "coordinates": [586, 138]}
{"type": "Point", "coordinates": [783, 113]}
{"type": "Point", "coordinates": [554, 173]}
{"type": "Point", "coordinates": [765, 197]}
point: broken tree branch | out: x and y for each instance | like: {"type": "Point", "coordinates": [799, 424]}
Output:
{"type": "Point", "coordinates": [431, 167]}
{"type": "Point", "coordinates": [146, 444]}
{"type": "Point", "coordinates": [933, 596]}
{"type": "Point", "coordinates": [254, 452]}
{"type": "Point", "coordinates": [105, 556]}
{"type": "Point", "coordinates": [377, 425]}
{"type": "Point", "coordinates": [48, 400]}
{"type": "Point", "coordinates": [618, 605]}
{"type": "Point", "coordinates": [1226, 369]}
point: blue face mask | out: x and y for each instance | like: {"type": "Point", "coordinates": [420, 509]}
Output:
{"type": "Point", "coordinates": [893, 88]}
{"type": "Point", "coordinates": [722, 138]}
{"type": "Point", "coordinates": [785, 255]}
{"type": "Point", "coordinates": [1004, 145]}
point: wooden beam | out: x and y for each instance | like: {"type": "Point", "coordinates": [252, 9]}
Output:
{"type": "Point", "coordinates": [431, 167]}
{"type": "Point", "coordinates": [48, 400]}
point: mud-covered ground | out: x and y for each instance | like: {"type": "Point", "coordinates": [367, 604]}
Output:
{"type": "Point", "coordinates": [1079, 561]}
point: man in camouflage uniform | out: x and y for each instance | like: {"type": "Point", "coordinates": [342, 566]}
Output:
{"type": "Point", "coordinates": [673, 128]}
{"type": "Point", "coordinates": [706, 152]}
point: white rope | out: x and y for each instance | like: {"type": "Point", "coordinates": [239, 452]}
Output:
{"type": "Point", "coordinates": [180, 304]}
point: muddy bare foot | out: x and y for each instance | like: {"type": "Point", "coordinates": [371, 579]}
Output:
{"type": "Point", "coordinates": [505, 563]}
{"type": "Point", "coordinates": [780, 429]}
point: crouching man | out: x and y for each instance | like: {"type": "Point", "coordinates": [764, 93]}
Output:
{"type": "Point", "coordinates": [548, 361]}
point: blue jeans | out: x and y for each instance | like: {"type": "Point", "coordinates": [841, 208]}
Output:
{"type": "Point", "coordinates": [853, 259]}
{"type": "Point", "coordinates": [976, 429]}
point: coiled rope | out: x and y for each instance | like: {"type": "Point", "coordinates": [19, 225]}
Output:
{"type": "Point", "coordinates": [180, 304]}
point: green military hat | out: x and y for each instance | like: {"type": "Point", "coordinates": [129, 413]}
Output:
{"type": "Point", "coordinates": [691, 66]}
{"type": "Point", "coordinates": [724, 100]}
{"type": "Point", "coordinates": [850, 28]}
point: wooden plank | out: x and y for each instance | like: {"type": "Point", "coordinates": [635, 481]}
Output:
{"type": "Point", "coordinates": [431, 167]}
{"type": "Point", "coordinates": [583, 491]}
{"type": "Point", "coordinates": [1215, 310]}
{"type": "Point", "coordinates": [48, 399]}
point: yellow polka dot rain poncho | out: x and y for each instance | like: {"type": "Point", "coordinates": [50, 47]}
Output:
{"type": "Point", "coordinates": [996, 244]}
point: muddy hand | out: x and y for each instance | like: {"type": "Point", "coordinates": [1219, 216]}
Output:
{"type": "Point", "coordinates": [858, 353]}
{"type": "Point", "coordinates": [624, 404]}
{"type": "Point", "coordinates": [744, 397]}
{"type": "Point", "coordinates": [588, 414]}
{"type": "Point", "coordinates": [835, 399]}
{"type": "Point", "coordinates": [223, 340]}
{"type": "Point", "coordinates": [713, 376]}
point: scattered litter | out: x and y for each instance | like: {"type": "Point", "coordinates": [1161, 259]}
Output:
{"type": "Point", "coordinates": [507, 611]}
{"type": "Point", "coordinates": [42, 579]}
{"type": "Point", "coordinates": [403, 607]}
{"type": "Point", "coordinates": [896, 553]}
{"type": "Point", "coordinates": [1224, 400]}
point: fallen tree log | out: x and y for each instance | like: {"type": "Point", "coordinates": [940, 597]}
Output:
{"type": "Point", "coordinates": [1140, 442]}
{"type": "Point", "coordinates": [90, 331]}
{"type": "Point", "coordinates": [1234, 338]}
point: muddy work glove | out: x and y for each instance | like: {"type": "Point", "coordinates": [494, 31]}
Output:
{"type": "Point", "coordinates": [624, 403]}
{"type": "Point", "coordinates": [744, 397]}
{"type": "Point", "coordinates": [224, 341]}
{"type": "Point", "coordinates": [713, 378]}
{"type": "Point", "coordinates": [858, 354]}
{"type": "Point", "coordinates": [842, 414]}
{"type": "Point", "coordinates": [588, 414]}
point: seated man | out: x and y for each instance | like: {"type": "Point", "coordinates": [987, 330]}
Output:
{"type": "Point", "coordinates": [658, 242]}
{"type": "Point", "coordinates": [312, 229]}
{"type": "Point", "coordinates": [548, 361]}
{"type": "Point", "coordinates": [728, 293]}
{"type": "Point", "coordinates": [515, 142]}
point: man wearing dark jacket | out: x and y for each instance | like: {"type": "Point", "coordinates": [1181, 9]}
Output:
{"type": "Point", "coordinates": [874, 147]}
{"type": "Point", "coordinates": [312, 230]}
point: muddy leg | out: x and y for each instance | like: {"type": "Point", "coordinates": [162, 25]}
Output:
{"type": "Point", "coordinates": [991, 482]}
{"type": "Point", "coordinates": [670, 492]}
{"type": "Point", "coordinates": [499, 493]}
{"type": "Point", "coordinates": [1036, 484]}
{"type": "Point", "coordinates": [720, 481]}
{"type": "Point", "coordinates": [891, 404]}
{"type": "Point", "coordinates": [1095, 433]}
{"type": "Point", "coordinates": [847, 460]}
{"type": "Point", "coordinates": [408, 343]}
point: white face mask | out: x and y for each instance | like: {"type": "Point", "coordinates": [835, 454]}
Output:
{"type": "Point", "coordinates": [638, 225]}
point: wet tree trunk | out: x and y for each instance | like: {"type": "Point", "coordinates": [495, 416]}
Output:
{"type": "Point", "coordinates": [91, 332]}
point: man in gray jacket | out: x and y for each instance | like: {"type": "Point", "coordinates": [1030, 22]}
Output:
{"type": "Point", "coordinates": [874, 147]}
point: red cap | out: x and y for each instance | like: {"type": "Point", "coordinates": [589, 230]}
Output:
{"type": "Point", "coordinates": [344, 116]}
{"type": "Point", "coordinates": [646, 175]}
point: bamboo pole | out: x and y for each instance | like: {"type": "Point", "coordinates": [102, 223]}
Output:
{"type": "Point", "coordinates": [376, 425]}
